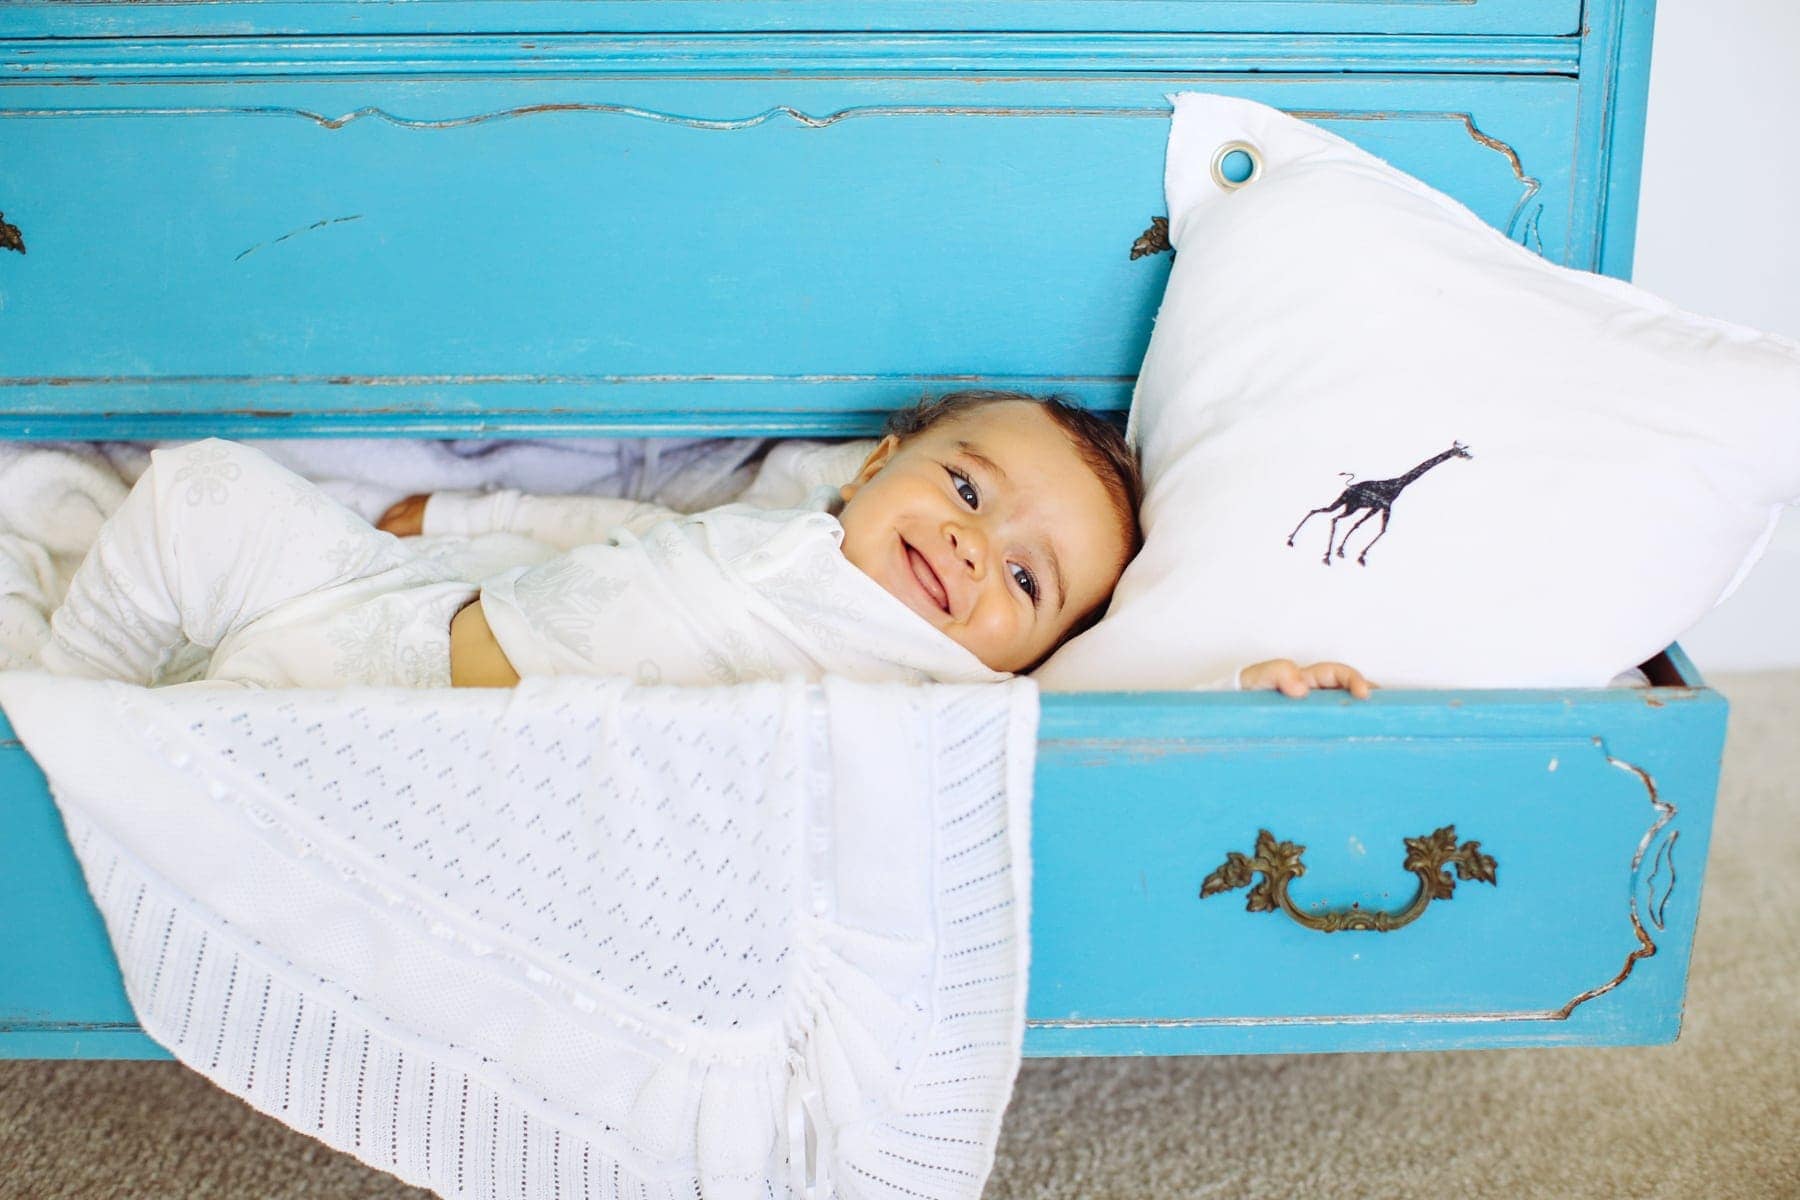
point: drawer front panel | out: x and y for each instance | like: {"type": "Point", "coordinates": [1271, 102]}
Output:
{"type": "Point", "coordinates": [115, 18]}
{"type": "Point", "coordinates": [638, 249]}
{"type": "Point", "coordinates": [60, 992]}
{"type": "Point", "coordinates": [1561, 822]}
{"type": "Point", "coordinates": [1590, 881]}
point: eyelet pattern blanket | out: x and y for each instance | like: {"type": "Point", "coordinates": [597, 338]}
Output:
{"type": "Point", "coordinates": [577, 939]}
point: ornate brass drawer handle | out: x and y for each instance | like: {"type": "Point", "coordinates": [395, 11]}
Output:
{"type": "Point", "coordinates": [10, 238]}
{"type": "Point", "coordinates": [1279, 862]}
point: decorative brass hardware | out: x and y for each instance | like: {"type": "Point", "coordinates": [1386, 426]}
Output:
{"type": "Point", "coordinates": [9, 236]}
{"type": "Point", "coordinates": [1279, 862]}
{"type": "Point", "coordinates": [1153, 240]}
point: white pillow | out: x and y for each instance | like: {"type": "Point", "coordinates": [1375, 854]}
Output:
{"type": "Point", "coordinates": [1575, 471]}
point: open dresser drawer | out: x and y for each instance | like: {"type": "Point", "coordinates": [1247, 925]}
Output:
{"type": "Point", "coordinates": [699, 217]}
{"type": "Point", "coordinates": [1594, 806]}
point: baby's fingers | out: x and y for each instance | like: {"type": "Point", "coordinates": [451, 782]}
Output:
{"type": "Point", "coordinates": [1287, 677]}
{"type": "Point", "coordinates": [1277, 673]}
{"type": "Point", "coordinates": [1339, 675]}
{"type": "Point", "coordinates": [1295, 681]}
{"type": "Point", "coordinates": [405, 518]}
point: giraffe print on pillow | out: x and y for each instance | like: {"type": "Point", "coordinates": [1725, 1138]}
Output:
{"type": "Point", "coordinates": [1369, 497]}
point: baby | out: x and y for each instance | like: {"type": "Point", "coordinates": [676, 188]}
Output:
{"type": "Point", "coordinates": [982, 532]}
{"type": "Point", "coordinates": [1069, 471]}
{"type": "Point", "coordinates": [999, 521]}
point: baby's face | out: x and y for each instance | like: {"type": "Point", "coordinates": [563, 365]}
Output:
{"type": "Point", "coordinates": [991, 527]}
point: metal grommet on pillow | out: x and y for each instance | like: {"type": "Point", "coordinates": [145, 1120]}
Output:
{"type": "Point", "coordinates": [1235, 164]}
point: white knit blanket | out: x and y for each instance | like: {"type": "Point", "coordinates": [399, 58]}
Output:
{"type": "Point", "coordinates": [578, 939]}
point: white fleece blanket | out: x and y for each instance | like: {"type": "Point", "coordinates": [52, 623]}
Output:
{"type": "Point", "coordinates": [580, 938]}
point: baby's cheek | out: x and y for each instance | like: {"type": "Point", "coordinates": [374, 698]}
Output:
{"type": "Point", "coordinates": [999, 640]}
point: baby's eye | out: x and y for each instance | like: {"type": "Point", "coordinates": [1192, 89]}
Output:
{"type": "Point", "coordinates": [1026, 580]}
{"type": "Point", "coordinates": [964, 488]}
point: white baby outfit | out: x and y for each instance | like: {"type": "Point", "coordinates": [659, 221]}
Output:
{"type": "Point", "coordinates": [223, 565]}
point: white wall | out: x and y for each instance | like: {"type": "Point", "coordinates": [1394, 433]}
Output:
{"type": "Point", "coordinates": [1719, 233]}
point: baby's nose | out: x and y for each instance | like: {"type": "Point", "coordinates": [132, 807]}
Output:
{"type": "Point", "coordinates": [968, 545]}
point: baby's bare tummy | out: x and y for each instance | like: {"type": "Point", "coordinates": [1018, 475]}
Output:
{"type": "Point", "coordinates": [476, 659]}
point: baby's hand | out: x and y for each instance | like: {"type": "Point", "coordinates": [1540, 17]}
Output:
{"type": "Point", "coordinates": [1295, 680]}
{"type": "Point", "coordinates": [404, 519]}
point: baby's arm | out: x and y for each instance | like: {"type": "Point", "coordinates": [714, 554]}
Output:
{"type": "Point", "coordinates": [786, 478]}
{"type": "Point", "coordinates": [1292, 679]}
{"type": "Point", "coordinates": [560, 521]}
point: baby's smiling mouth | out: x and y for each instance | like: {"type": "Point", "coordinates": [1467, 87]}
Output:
{"type": "Point", "coordinates": [927, 577]}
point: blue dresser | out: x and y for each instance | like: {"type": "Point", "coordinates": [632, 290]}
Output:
{"type": "Point", "coordinates": [542, 217]}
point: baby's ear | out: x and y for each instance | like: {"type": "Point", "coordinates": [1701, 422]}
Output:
{"type": "Point", "coordinates": [878, 457]}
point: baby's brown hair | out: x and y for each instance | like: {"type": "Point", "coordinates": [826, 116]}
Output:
{"type": "Point", "coordinates": [1098, 441]}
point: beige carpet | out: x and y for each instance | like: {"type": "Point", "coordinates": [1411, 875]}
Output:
{"type": "Point", "coordinates": [1717, 1115]}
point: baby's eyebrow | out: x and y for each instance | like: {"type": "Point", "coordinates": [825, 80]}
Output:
{"type": "Point", "coordinates": [1044, 547]}
{"type": "Point", "coordinates": [1062, 588]}
{"type": "Point", "coordinates": [982, 460]}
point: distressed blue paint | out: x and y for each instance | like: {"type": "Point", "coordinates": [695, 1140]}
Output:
{"type": "Point", "coordinates": [1629, 26]}
{"type": "Point", "coordinates": [78, 1041]}
{"type": "Point", "coordinates": [158, 58]}
{"type": "Point", "coordinates": [450, 249]}
{"type": "Point", "coordinates": [1615, 84]}
{"type": "Point", "coordinates": [784, 408]}
{"type": "Point", "coordinates": [64, 18]}
{"type": "Point", "coordinates": [789, 234]}
{"type": "Point", "coordinates": [1126, 951]}
{"type": "Point", "coordinates": [1562, 823]}
{"type": "Point", "coordinates": [60, 991]}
